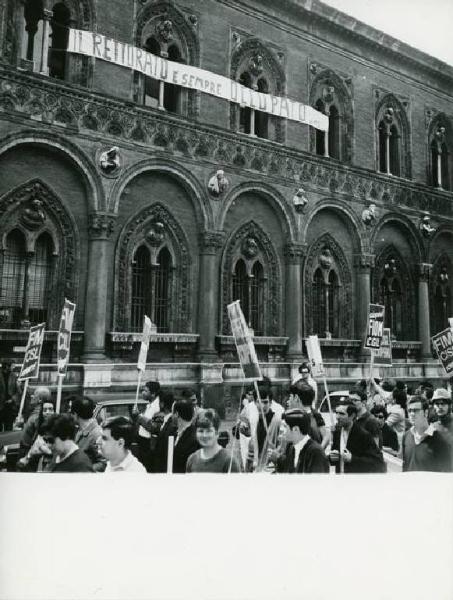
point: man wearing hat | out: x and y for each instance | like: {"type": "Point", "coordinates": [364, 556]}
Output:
{"type": "Point", "coordinates": [303, 454]}
{"type": "Point", "coordinates": [444, 422]}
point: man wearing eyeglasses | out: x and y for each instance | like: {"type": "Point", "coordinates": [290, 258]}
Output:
{"type": "Point", "coordinates": [353, 448]}
{"type": "Point", "coordinates": [424, 448]}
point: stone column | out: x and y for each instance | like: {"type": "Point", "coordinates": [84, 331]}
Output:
{"type": "Point", "coordinates": [424, 335]}
{"type": "Point", "coordinates": [210, 243]}
{"type": "Point", "coordinates": [363, 264]}
{"type": "Point", "coordinates": [47, 15]}
{"type": "Point", "coordinates": [100, 228]}
{"type": "Point", "coordinates": [294, 254]}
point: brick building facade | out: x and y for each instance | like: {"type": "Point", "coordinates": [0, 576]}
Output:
{"type": "Point", "coordinates": [306, 228]}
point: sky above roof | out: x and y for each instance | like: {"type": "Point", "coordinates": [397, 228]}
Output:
{"type": "Point", "coordinates": [426, 25]}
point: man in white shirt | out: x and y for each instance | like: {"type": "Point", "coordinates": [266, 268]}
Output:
{"type": "Point", "coordinates": [117, 437]}
{"type": "Point", "coordinates": [150, 393]}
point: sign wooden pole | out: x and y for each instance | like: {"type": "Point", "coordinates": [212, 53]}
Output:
{"type": "Point", "coordinates": [171, 445]}
{"type": "Point", "coordinates": [59, 390]}
{"type": "Point", "coordinates": [137, 391]}
{"type": "Point", "coordinates": [22, 401]}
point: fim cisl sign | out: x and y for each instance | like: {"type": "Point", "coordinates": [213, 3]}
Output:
{"type": "Point", "coordinates": [443, 345]}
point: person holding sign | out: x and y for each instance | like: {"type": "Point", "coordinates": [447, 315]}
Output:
{"type": "Point", "coordinates": [150, 393]}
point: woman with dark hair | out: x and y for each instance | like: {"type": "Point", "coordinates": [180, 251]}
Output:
{"type": "Point", "coordinates": [32, 445]}
{"type": "Point", "coordinates": [211, 458]}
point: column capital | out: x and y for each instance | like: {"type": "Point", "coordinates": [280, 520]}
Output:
{"type": "Point", "coordinates": [211, 241]}
{"type": "Point", "coordinates": [424, 271]}
{"type": "Point", "coordinates": [294, 253]}
{"type": "Point", "coordinates": [364, 261]}
{"type": "Point", "coordinates": [101, 225]}
{"type": "Point", "coordinates": [47, 14]}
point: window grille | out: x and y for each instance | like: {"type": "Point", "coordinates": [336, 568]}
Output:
{"type": "Point", "coordinates": [333, 303]}
{"type": "Point", "coordinates": [240, 291]}
{"type": "Point", "coordinates": [319, 306]}
{"type": "Point", "coordinates": [257, 299]}
{"type": "Point", "coordinates": [162, 287]}
{"type": "Point", "coordinates": [141, 272]}
{"type": "Point", "coordinates": [13, 275]}
{"type": "Point", "coordinates": [40, 279]}
{"type": "Point", "coordinates": [443, 308]}
{"type": "Point", "coordinates": [391, 298]}
{"type": "Point", "coordinates": [334, 132]}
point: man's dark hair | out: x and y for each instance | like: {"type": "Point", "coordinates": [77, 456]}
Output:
{"type": "Point", "coordinates": [304, 366]}
{"type": "Point", "coordinates": [419, 398]}
{"type": "Point", "coordinates": [379, 409]}
{"type": "Point", "coordinates": [358, 392]}
{"type": "Point", "coordinates": [184, 409]}
{"type": "Point", "coordinates": [429, 393]}
{"type": "Point", "coordinates": [349, 405]}
{"type": "Point", "coordinates": [265, 388]}
{"type": "Point", "coordinates": [400, 397]}
{"type": "Point", "coordinates": [7, 362]}
{"type": "Point", "coordinates": [167, 399]}
{"type": "Point", "coordinates": [305, 392]}
{"type": "Point", "coordinates": [61, 426]}
{"type": "Point", "coordinates": [121, 427]}
{"type": "Point", "coordinates": [153, 387]}
{"type": "Point", "coordinates": [208, 418]}
{"type": "Point", "coordinates": [426, 384]}
{"type": "Point", "coordinates": [251, 390]}
{"type": "Point", "coordinates": [400, 385]}
{"type": "Point", "coordinates": [362, 384]}
{"type": "Point", "coordinates": [387, 385]}
{"type": "Point", "coordinates": [298, 418]}
{"type": "Point", "coordinates": [83, 406]}
{"type": "Point", "coordinates": [187, 393]}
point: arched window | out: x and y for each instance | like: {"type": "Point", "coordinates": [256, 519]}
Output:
{"type": "Point", "coordinates": [151, 289]}
{"type": "Point", "coordinates": [141, 274]}
{"type": "Point", "coordinates": [394, 150]}
{"type": "Point", "coordinates": [392, 137]}
{"type": "Point", "coordinates": [440, 156]}
{"type": "Point", "coordinates": [325, 299]}
{"type": "Point", "coordinates": [248, 288]}
{"type": "Point", "coordinates": [59, 24]}
{"type": "Point", "coordinates": [389, 148]}
{"type": "Point", "coordinates": [162, 287]}
{"type": "Point", "coordinates": [12, 279]}
{"type": "Point", "coordinates": [253, 121]}
{"type": "Point", "coordinates": [391, 298]}
{"type": "Point", "coordinates": [40, 279]}
{"type": "Point", "coordinates": [162, 94]}
{"type": "Point", "coordinates": [27, 280]}
{"type": "Point", "coordinates": [32, 40]}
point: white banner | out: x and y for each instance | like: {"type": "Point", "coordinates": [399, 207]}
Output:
{"type": "Point", "coordinates": [315, 356]}
{"type": "Point", "coordinates": [30, 366]}
{"type": "Point", "coordinates": [64, 336]}
{"type": "Point", "coordinates": [244, 342]}
{"type": "Point", "coordinates": [141, 364]}
{"type": "Point", "coordinates": [125, 55]}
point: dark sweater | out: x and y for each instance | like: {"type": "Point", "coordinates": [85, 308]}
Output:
{"type": "Point", "coordinates": [219, 463]}
{"type": "Point", "coordinates": [432, 454]}
{"type": "Point", "coordinates": [77, 462]}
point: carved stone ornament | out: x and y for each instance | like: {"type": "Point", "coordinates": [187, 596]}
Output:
{"type": "Point", "coordinates": [325, 258]}
{"type": "Point", "coordinates": [156, 234]}
{"type": "Point", "coordinates": [256, 64]}
{"type": "Point", "coordinates": [443, 275]}
{"type": "Point", "coordinates": [328, 94]}
{"type": "Point", "coordinates": [33, 216]}
{"type": "Point", "coordinates": [390, 267]}
{"type": "Point", "coordinates": [440, 136]}
{"type": "Point", "coordinates": [218, 184]}
{"type": "Point", "coordinates": [300, 201]}
{"type": "Point", "coordinates": [388, 115]}
{"type": "Point", "coordinates": [101, 225]}
{"type": "Point", "coordinates": [369, 215]}
{"type": "Point", "coordinates": [110, 161]}
{"type": "Point", "coordinates": [425, 227]}
{"type": "Point", "coordinates": [164, 29]}
{"type": "Point", "coordinates": [249, 247]}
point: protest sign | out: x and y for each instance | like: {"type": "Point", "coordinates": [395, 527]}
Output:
{"type": "Point", "coordinates": [244, 343]}
{"type": "Point", "coordinates": [314, 356]}
{"type": "Point", "coordinates": [141, 363]}
{"type": "Point", "coordinates": [383, 355]}
{"type": "Point", "coordinates": [119, 53]}
{"type": "Point", "coordinates": [443, 345]}
{"type": "Point", "coordinates": [375, 326]}
{"type": "Point", "coordinates": [30, 366]}
{"type": "Point", "coordinates": [64, 336]}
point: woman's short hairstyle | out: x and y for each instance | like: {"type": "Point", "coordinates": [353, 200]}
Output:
{"type": "Point", "coordinates": [208, 418]}
{"type": "Point", "coordinates": [121, 427]}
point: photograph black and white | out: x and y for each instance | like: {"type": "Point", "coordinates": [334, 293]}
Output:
{"type": "Point", "coordinates": [226, 260]}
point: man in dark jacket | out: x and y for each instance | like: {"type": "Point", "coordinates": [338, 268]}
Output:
{"type": "Point", "coordinates": [303, 454]}
{"type": "Point", "coordinates": [168, 429]}
{"type": "Point", "coordinates": [186, 440]}
{"type": "Point", "coordinates": [89, 431]}
{"type": "Point", "coordinates": [10, 391]}
{"type": "Point", "coordinates": [59, 433]}
{"type": "Point", "coordinates": [353, 448]}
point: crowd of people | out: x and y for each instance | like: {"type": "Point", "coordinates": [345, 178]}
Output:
{"type": "Point", "coordinates": [174, 433]}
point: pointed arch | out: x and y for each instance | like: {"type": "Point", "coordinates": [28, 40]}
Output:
{"type": "Point", "coordinates": [325, 256]}
{"type": "Point", "coordinates": [411, 233]}
{"type": "Point", "coordinates": [328, 91]}
{"type": "Point", "coordinates": [394, 286]}
{"type": "Point", "coordinates": [393, 137]}
{"type": "Point", "coordinates": [35, 210]}
{"type": "Point", "coordinates": [251, 245]}
{"type": "Point", "coordinates": [254, 65]}
{"type": "Point", "coordinates": [154, 229]}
